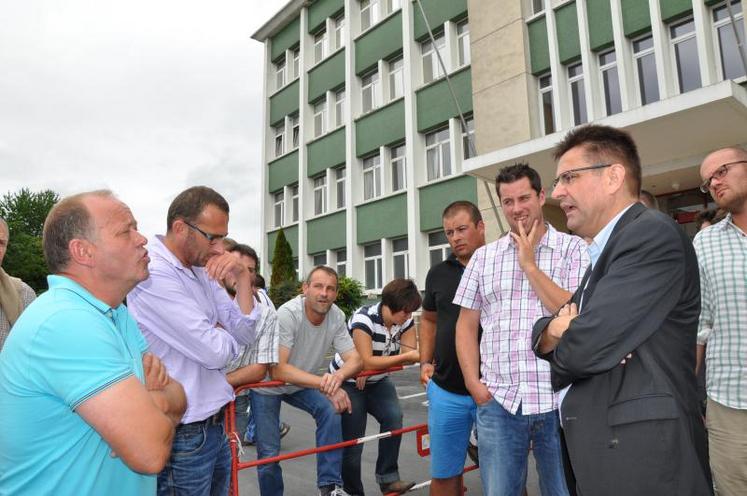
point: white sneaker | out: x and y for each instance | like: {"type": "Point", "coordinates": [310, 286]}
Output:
{"type": "Point", "coordinates": [332, 491]}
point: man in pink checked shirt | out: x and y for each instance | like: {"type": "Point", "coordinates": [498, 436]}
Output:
{"type": "Point", "coordinates": [507, 285]}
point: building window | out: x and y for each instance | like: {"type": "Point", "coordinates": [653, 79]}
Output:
{"type": "Point", "coordinates": [320, 259]}
{"type": "Point", "coordinates": [392, 5]}
{"type": "Point", "coordinates": [463, 57]}
{"type": "Point", "coordinates": [547, 115]}
{"type": "Point", "coordinates": [645, 65]}
{"type": "Point", "coordinates": [399, 174]}
{"type": "Point", "coordinates": [438, 154]}
{"type": "Point", "coordinates": [340, 108]}
{"type": "Point", "coordinates": [468, 139]}
{"type": "Point", "coordinates": [371, 177]}
{"type": "Point", "coordinates": [731, 63]}
{"type": "Point", "coordinates": [438, 247]}
{"type": "Point", "coordinates": [296, 62]}
{"type": "Point", "coordinates": [280, 74]}
{"type": "Point", "coordinates": [610, 82]}
{"type": "Point", "coordinates": [294, 202]}
{"type": "Point", "coordinates": [279, 208]}
{"type": "Point", "coordinates": [320, 195]}
{"type": "Point", "coordinates": [340, 186]}
{"type": "Point", "coordinates": [320, 118]}
{"type": "Point", "coordinates": [320, 46]}
{"type": "Point", "coordinates": [538, 6]}
{"type": "Point", "coordinates": [372, 261]}
{"type": "Point", "coordinates": [578, 97]}
{"type": "Point", "coordinates": [279, 138]}
{"type": "Point", "coordinates": [294, 131]}
{"type": "Point", "coordinates": [431, 66]}
{"type": "Point", "coordinates": [339, 31]}
{"type": "Point", "coordinates": [685, 49]}
{"type": "Point", "coordinates": [342, 257]}
{"type": "Point", "coordinates": [370, 84]}
{"type": "Point", "coordinates": [396, 82]}
{"type": "Point", "coordinates": [369, 13]}
{"type": "Point", "coordinates": [399, 258]}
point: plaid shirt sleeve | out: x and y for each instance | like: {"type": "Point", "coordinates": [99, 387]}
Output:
{"type": "Point", "coordinates": [468, 293]}
{"type": "Point", "coordinates": [705, 323]}
{"type": "Point", "coordinates": [577, 261]}
{"type": "Point", "coordinates": [265, 348]}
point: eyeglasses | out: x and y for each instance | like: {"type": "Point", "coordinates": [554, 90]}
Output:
{"type": "Point", "coordinates": [568, 176]}
{"type": "Point", "coordinates": [705, 187]}
{"type": "Point", "coordinates": [212, 238]}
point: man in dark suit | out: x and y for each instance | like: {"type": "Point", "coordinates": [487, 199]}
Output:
{"type": "Point", "coordinates": [624, 363]}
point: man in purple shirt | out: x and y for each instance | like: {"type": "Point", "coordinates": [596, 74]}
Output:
{"type": "Point", "coordinates": [195, 328]}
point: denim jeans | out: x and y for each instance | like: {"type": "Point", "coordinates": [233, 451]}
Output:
{"type": "Point", "coordinates": [328, 431]}
{"type": "Point", "coordinates": [503, 441]}
{"type": "Point", "coordinates": [245, 426]}
{"type": "Point", "coordinates": [380, 400]}
{"type": "Point", "coordinates": [200, 462]}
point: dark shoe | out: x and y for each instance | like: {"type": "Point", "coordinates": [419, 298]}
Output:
{"type": "Point", "coordinates": [398, 487]}
{"type": "Point", "coordinates": [284, 429]}
{"type": "Point", "coordinates": [472, 453]}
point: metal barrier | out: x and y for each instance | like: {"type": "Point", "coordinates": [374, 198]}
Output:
{"type": "Point", "coordinates": [230, 424]}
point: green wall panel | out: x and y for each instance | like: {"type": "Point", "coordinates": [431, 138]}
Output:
{"type": "Point", "coordinates": [284, 102]}
{"type": "Point", "coordinates": [381, 127]}
{"type": "Point", "coordinates": [325, 152]}
{"type": "Point", "coordinates": [379, 42]}
{"type": "Point", "coordinates": [286, 38]}
{"type": "Point", "coordinates": [326, 233]}
{"type": "Point", "coordinates": [291, 234]}
{"type": "Point", "coordinates": [328, 75]}
{"type": "Point", "coordinates": [433, 199]}
{"type": "Point", "coordinates": [672, 9]}
{"type": "Point", "coordinates": [600, 24]}
{"type": "Point", "coordinates": [437, 12]}
{"type": "Point", "coordinates": [320, 10]}
{"type": "Point", "coordinates": [282, 171]}
{"type": "Point", "coordinates": [566, 20]}
{"type": "Point", "coordinates": [385, 218]}
{"type": "Point", "coordinates": [539, 49]}
{"type": "Point", "coordinates": [636, 17]}
{"type": "Point", "coordinates": [435, 105]}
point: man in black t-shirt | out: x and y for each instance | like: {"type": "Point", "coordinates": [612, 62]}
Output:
{"type": "Point", "coordinates": [451, 410]}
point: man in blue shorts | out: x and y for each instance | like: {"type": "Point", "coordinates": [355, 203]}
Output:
{"type": "Point", "coordinates": [451, 410]}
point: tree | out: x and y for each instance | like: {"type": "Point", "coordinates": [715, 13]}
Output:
{"type": "Point", "coordinates": [284, 281]}
{"type": "Point", "coordinates": [349, 295]}
{"type": "Point", "coordinates": [25, 212]}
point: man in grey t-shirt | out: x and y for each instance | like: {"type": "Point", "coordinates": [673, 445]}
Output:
{"type": "Point", "coordinates": [309, 325]}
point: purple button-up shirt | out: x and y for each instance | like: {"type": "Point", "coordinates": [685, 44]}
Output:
{"type": "Point", "coordinates": [193, 326]}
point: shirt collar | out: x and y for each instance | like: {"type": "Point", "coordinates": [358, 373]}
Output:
{"type": "Point", "coordinates": [64, 282]}
{"type": "Point", "coordinates": [549, 240]}
{"type": "Point", "coordinates": [596, 247]}
{"type": "Point", "coordinates": [157, 247]}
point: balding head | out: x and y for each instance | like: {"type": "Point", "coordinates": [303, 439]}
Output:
{"type": "Point", "coordinates": [725, 177]}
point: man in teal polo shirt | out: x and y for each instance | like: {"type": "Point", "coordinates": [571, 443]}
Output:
{"type": "Point", "coordinates": [84, 408]}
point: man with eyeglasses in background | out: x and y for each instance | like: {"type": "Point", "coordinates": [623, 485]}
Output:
{"type": "Point", "coordinates": [195, 328]}
{"type": "Point", "coordinates": [722, 258]}
{"type": "Point", "coordinates": [622, 352]}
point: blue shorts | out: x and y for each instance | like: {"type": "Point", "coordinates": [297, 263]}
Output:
{"type": "Point", "coordinates": [450, 420]}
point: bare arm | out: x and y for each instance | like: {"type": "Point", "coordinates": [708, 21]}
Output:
{"type": "Point", "coordinates": [468, 352]}
{"type": "Point", "coordinates": [364, 345]}
{"type": "Point", "coordinates": [353, 364]}
{"type": "Point", "coordinates": [427, 345]}
{"type": "Point", "coordinates": [699, 357]}
{"type": "Point", "coordinates": [283, 371]}
{"type": "Point", "coordinates": [247, 375]}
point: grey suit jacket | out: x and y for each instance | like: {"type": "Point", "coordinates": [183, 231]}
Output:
{"type": "Point", "coordinates": [634, 429]}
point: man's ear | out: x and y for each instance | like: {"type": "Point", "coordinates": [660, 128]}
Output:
{"type": "Point", "coordinates": [616, 174]}
{"type": "Point", "coordinates": [81, 252]}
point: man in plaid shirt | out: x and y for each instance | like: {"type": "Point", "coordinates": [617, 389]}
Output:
{"type": "Point", "coordinates": [722, 259]}
{"type": "Point", "coordinates": [507, 285]}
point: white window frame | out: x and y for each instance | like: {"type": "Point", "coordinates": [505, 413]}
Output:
{"type": "Point", "coordinates": [603, 69]}
{"type": "Point", "coordinates": [391, 6]}
{"type": "Point", "coordinates": [398, 162]}
{"type": "Point", "coordinates": [370, 86]}
{"type": "Point", "coordinates": [538, 6]}
{"type": "Point", "coordinates": [377, 261]}
{"type": "Point", "coordinates": [294, 191]}
{"type": "Point", "coordinates": [279, 139]}
{"type": "Point", "coordinates": [339, 23]}
{"type": "Point", "coordinates": [295, 131]}
{"type": "Point", "coordinates": [577, 80]}
{"type": "Point", "coordinates": [319, 259]}
{"type": "Point", "coordinates": [296, 63]}
{"type": "Point", "coordinates": [468, 136]}
{"type": "Point", "coordinates": [341, 264]}
{"type": "Point", "coordinates": [320, 194]}
{"type": "Point", "coordinates": [429, 56]}
{"type": "Point", "coordinates": [278, 208]}
{"type": "Point", "coordinates": [396, 78]}
{"type": "Point", "coordinates": [340, 174]}
{"type": "Point", "coordinates": [320, 46]}
{"type": "Point", "coordinates": [320, 118]}
{"type": "Point", "coordinates": [673, 42]}
{"type": "Point", "coordinates": [369, 11]}
{"type": "Point", "coordinates": [443, 148]}
{"type": "Point", "coordinates": [372, 173]}
{"type": "Point", "coordinates": [464, 56]}
{"type": "Point", "coordinates": [340, 108]}
{"type": "Point", "coordinates": [280, 73]}
{"type": "Point", "coordinates": [542, 90]}
{"type": "Point", "coordinates": [443, 248]}
{"type": "Point", "coordinates": [403, 254]}
{"type": "Point", "coordinates": [636, 70]}
{"type": "Point", "coordinates": [726, 22]}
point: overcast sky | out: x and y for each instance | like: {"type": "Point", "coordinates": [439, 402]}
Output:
{"type": "Point", "coordinates": [143, 97]}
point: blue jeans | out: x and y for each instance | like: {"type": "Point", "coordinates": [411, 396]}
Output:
{"type": "Point", "coordinates": [245, 425]}
{"type": "Point", "coordinates": [380, 400]}
{"type": "Point", "coordinates": [503, 441]}
{"type": "Point", "coordinates": [328, 431]}
{"type": "Point", "coordinates": [200, 462]}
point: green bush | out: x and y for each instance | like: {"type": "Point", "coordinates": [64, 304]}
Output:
{"type": "Point", "coordinates": [349, 295]}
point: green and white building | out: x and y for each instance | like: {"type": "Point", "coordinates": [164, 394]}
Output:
{"type": "Point", "coordinates": [362, 145]}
